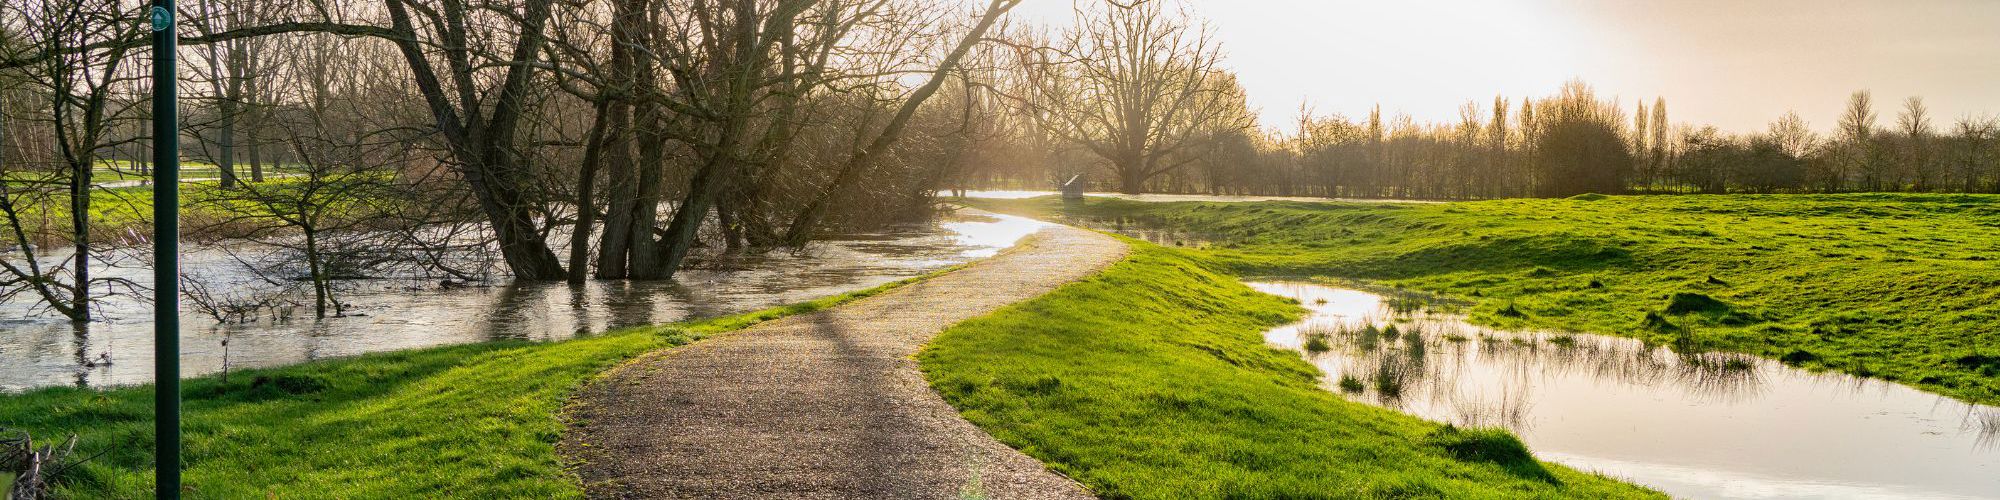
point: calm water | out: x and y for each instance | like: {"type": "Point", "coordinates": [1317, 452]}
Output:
{"type": "Point", "coordinates": [1713, 425]}
{"type": "Point", "coordinates": [38, 350]}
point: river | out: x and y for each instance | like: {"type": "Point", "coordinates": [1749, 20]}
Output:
{"type": "Point", "coordinates": [38, 349]}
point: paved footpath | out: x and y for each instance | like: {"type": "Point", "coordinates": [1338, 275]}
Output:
{"type": "Point", "coordinates": [828, 404]}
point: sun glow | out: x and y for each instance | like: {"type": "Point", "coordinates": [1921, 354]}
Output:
{"type": "Point", "coordinates": [1732, 64]}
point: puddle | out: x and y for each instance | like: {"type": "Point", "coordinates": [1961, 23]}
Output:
{"type": "Point", "coordinates": [1713, 425]}
{"type": "Point", "coordinates": [38, 349]}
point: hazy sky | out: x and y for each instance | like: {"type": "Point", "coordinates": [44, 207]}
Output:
{"type": "Point", "coordinates": [1736, 64]}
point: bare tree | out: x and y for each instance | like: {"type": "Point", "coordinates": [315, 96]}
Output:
{"type": "Point", "coordinates": [1139, 86]}
{"type": "Point", "coordinates": [1857, 142]}
{"type": "Point", "coordinates": [480, 136]}
{"type": "Point", "coordinates": [325, 220]}
{"type": "Point", "coordinates": [809, 218]}
{"type": "Point", "coordinates": [78, 89]}
{"type": "Point", "coordinates": [1793, 135]}
{"type": "Point", "coordinates": [1915, 124]}
{"type": "Point", "coordinates": [1975, 150]}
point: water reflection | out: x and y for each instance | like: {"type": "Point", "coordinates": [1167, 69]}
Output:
{"type": "Point", "coordinates": [37, 350]}
{"type": "Point", "coordinates": [1706, 425]}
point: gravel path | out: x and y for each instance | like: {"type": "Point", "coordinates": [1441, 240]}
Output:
{"type": "Point", "coordinates": [824, 405]}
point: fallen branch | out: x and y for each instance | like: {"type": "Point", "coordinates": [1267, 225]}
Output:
{"type": "Point", "coordinates": [30, 468]}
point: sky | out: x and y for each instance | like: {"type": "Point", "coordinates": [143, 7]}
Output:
{"type": "Point", "coordinates": [1735, 64]}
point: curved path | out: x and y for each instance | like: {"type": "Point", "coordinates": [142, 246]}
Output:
{"type": "Point", "coordinates": [824, 405]}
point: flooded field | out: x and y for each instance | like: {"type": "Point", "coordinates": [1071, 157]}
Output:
{"type": "Point", "coordinates": [1701, 425]}
{"type": "Point", "coordinates": [39, 349]}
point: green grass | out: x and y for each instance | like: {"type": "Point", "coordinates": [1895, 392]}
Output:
{"type": "Point", "coordinates": [1152, 380]}
{"type": "Point", "coordinates": [1900, 287]}
{"type": "Point", "coordinates": [121, 170]}
{"type": "Point", "coordinates": [116, 214]}
{"type": "Point", "coordinates": [466, 421]}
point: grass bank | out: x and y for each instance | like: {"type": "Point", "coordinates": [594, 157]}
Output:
{"type": "Point", "coordinates": [1152, 380]}
{"type": "Point", "coordinates": [467, 421]}
{"type": "Point", "coordinates": [1900, 287]}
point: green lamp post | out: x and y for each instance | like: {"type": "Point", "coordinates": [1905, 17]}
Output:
{"type": "Point", "coordinates": [166, 257]}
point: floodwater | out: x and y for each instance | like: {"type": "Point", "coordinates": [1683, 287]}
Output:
{"type": "Point", "coordinates": [38, 349]}
{"type": "Point", "coordinates": [1162, 198]}
{"type": "Point", "coordinates": [1712, 425]}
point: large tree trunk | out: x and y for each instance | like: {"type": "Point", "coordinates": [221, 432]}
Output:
{"type": "Point", "coordinates": [480, 146]}
{"type": "Point", "coordinates": [1132, 178]}
{"type": "Point", "coordinates": [647, 260]}
{"type": "Point", "coordinates": [254, 146]}
{"type": "Point", "coordinates": [225, 161]}
{"type": "Point", "coordinates": [586, 196]}
{"type": "Point", "coordinates": [702, 191]}
{"type": "Point", "coordinates": [615, 245]}
{"type": "Point", "coordinates": [508, 209]}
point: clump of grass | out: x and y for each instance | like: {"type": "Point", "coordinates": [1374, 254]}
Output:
{"type": "Point", "coordinates": [1655, 322]}
{"type": "Point", "coordinates": [1388, 380]}
{"type": "Point", "coordinates": [1391, 333]}
{"type": "Point", "coordinates": [1350, 384]}
{"type": "Point", "coordinates": [1494, 446]}
{"type": "Point", "coordinates": [1455, 338]}
{"type": "Point", "coordinates": [1370, 337]}
{"type": "Point", "coordinates": [1798, 357]}
{"type": "Point", "coordinates": [1414, 344]}
{"type": "Point", "coordinates": [1686, 342]}
{"type": "Point", "coordinates": [1564, 340]}
{"type": "Point", "coordinates": [1690, 303]}
{"type": "Point", "coordinates": [1984, 364]}
{"type": "Point", "coordinates": [1511, 312]}
{"type": "Point", "coordinates": [1316, 343]}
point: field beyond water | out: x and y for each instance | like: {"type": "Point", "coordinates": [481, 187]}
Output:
{"type": "Point", "coordinates": [122, 215]}
{"type": "Point", "coordinates": [1899, 287]}
{"type": "Point", "coordinates": [466, 421]}
{"type": "Point", "coordinates": [1152, 380]}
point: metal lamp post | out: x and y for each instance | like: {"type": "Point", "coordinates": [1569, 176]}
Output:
{"type": "Point", "coordinates": [166, 257]}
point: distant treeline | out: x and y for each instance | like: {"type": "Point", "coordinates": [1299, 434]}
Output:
{"type": "Point", "coordinates": [1565, 144]}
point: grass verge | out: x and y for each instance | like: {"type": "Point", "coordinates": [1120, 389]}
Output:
{"type": "Point", "coordinates": [1151, 380]}
{"type": "Point", "coordinates": [465, 421]}
{"type": "Point", "coordinates": [1903, 287]}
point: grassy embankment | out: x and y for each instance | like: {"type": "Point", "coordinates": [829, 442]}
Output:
{"type": "Point", "coordinates": [1152, 380]}
{"type": "Point", "coordinates": [467, 421]}
{"type": "Point", "coordinates": [1900, 287]}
